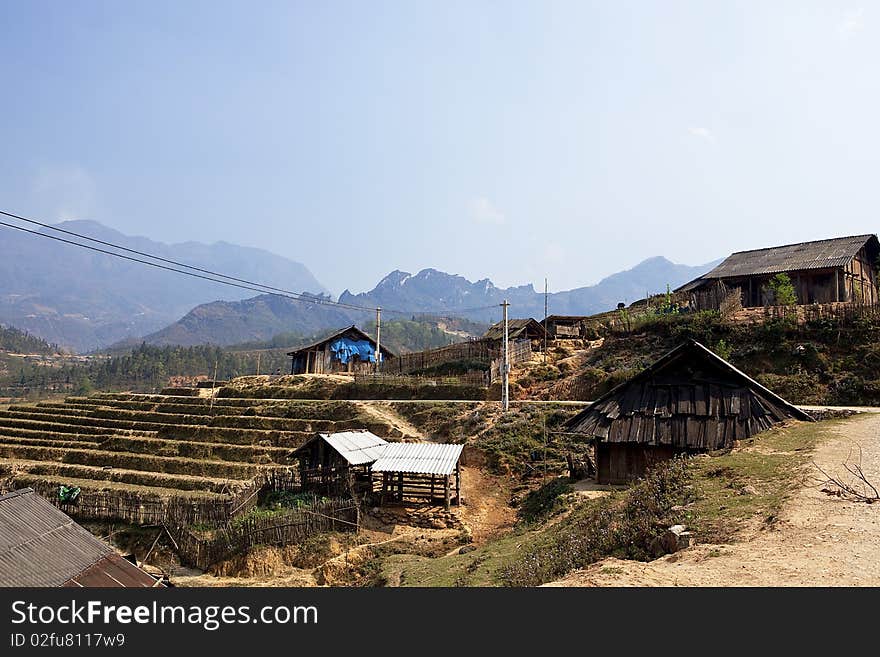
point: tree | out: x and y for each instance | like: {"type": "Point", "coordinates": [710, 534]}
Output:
{"type": "Point", "coordinates": [783, 290]}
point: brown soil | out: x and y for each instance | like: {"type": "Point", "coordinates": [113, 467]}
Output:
{"type": "Point", "coordinates": [820, 540]}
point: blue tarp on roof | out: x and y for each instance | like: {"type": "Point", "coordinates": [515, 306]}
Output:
{"type": "Point", "coordinates": [345, 349]}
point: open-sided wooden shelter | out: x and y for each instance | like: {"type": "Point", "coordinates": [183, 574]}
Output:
{"type": "Point", "coordinates": [420, 471]}
{"type": "Point", "coordinates": [688, 401]}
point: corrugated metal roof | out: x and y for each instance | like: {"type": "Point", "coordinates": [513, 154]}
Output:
{"type": "Point", "coordinates": [821, 254]}
{"type": "Point", "coordinates": [418, 458]}
{"type": "Point", "coordinates": [113, 570]}
{"type": "Point", "coordinates": [41, 545]}
{"type": "Point", "coordinates": [356, 447]}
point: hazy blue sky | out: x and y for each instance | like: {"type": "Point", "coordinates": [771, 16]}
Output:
{"type": "Point", "coordinates": [509, 140]}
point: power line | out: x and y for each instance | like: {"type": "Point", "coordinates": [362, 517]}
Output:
{"type": "Point", "coordinates": [119, 247]}
{"type": "Point", "coordinates": [207, 274]}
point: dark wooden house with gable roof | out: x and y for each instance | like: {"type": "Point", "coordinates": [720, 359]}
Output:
{"type": "Point", "coordinates": [689, 401]}
{"type": "Point", "coordinates": [517, 329]}
{"type": "Point", "coordinates": [824, 271]}
{"type": "Point", "coordinates": [346, 350]}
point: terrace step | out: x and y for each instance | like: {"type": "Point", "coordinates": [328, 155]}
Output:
{"type": "Point", "coordinates": [40, 441]}
{"type": "Point", "coordinates": [124, 418]}
{"type": "Point", "coordinates": [74, 437]}
{"type": "Point", "coordinates": [131, 461]}
{"type": "Point", "coordinates": [256, 454]}
{"type": "Point", "coordinates": [38, 474]}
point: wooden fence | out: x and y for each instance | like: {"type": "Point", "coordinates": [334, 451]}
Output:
{"type": "Point", "coordinates": [519, 351]}
{"type": "Point", "coordinates": [293, 526]}
{"type": "Point", "coordinates": [472, 350]}
{"type": "Point", "coordinates": [841, 313]}
{"type": "Point", "coordinates": [473, 378]}
{"type": "Point", "coordinates": [146, 509]}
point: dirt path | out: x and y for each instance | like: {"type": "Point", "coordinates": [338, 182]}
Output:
{"type": "Point", "coordinates": [487, 509]}
{"type": "Point", "coordinates": [819, 541]}
{"type": "Point", "coordinates": [383, 412]}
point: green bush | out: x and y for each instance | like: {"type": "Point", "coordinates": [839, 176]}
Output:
{"type": "Point", "coordinates": [624, 528]}
{"type": "Point", "coordinates": [542, 502]}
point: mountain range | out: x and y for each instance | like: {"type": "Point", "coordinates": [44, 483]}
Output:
{"type": "Point", "coordinates": [84, 300]}
{"type": "Point", "coordinates": [403, 295]}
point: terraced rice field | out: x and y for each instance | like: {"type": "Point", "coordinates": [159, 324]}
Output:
{"type": "Point", "coordinates": [157, 444]}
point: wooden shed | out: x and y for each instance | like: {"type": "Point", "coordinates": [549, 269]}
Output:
{"type": "Point", "coordinates": [334, 462]}
{"type": "Point", "coordinates": [569, 327]}
{"type": "Point", "coordinates": [824, 271]}
{"type": "Point", "coordinates": [517, 329]}
{"type": "Point", "coordinates": [40, 545]}
{"type": "Point", "coordinates": [346, 350]}
{"type": "Point", "coordinates": [688, 401]}
{"type": "Point", "coordinates": [426, 472]}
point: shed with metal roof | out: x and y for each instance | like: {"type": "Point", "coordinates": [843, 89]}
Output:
{"type": "Point", "coordinates": [424, 471]}
{"type": "Point", "coordinates": [331, 462]}
{"type": "Point", "coordinates": [40, 545]}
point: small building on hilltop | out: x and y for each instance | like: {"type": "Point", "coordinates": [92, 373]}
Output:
{"type": "Point", "coordinates": [842, 269]}
{"type": "Point", "coordinates": [348, 350]}
{"type": "Point", "coordinates": [41, 545]}
{"type": "Point", "coordinates": [334, 462]}
{"type": "Point", "coordinates": [570, 327]}
{"type": "Point", "coordinates": [517, 329]}
{"type": "Point", "coordinates": [688, 401]}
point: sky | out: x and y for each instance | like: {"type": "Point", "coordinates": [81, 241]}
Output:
{"type": "Point", "coordinates": [509, 140]}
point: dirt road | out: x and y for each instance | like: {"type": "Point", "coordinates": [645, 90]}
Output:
{"type": "Point", "coordinates": [820, 540]}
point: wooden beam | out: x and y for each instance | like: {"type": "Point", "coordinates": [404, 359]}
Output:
{"type": "Point", "coordinates": [446, 486]}
{"type": "Point", "coordinates": [457, 484]}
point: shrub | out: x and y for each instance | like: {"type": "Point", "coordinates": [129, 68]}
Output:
{"type": "Point", "coordinates": [624, 528]}
{"type": "Point", "coordinates": [783, 290]}
{"type": "Point", "coordinates": [543, 501]}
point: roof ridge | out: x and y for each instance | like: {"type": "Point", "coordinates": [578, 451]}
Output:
{"type": "Point", "coordinates": [826, 239]}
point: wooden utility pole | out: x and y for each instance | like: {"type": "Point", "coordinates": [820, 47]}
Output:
{"type": "Point", "coordinates": [258, 362]}
{"type": "Point", "coordinates": [213, 384]}
{"type": "Point", "coordinates": [505, 367]}
{"type": "Point", "coordinates": [546, 292]}
{"type": "Point", "coordinates": [378, 337]}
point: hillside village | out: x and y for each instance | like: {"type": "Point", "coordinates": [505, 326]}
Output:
{"type": "Point", "coordinates": [728, 424]}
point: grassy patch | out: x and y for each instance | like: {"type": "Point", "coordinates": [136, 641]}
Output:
{"type": "Point", "coordinates": [751, 483]}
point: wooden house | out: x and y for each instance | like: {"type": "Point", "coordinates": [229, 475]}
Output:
{"type": "Point", "coordinates": [334, 462]}
{"type": "Point", "coordinates": [347, 350]}
{"type": "Point", "coordinates": [40, 545]}
{"type": "Point", "coordinates": [688, 401]}
{"type": "Point", "coordinates": [833, 270]}
{"type": "Point", "coordinates": [517, 329]}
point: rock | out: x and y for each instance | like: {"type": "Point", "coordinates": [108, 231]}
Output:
{"type": "Point", "coordinates": [438, 524]}
{"type": "Point", "coordinates": [673, 539]}
{"type": "Point", "coordinates": [748, 490]}
{"type": "Point", "coordinates": [467, 548]}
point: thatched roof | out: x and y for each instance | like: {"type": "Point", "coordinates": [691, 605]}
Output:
{"type": "Point", "coordinates": [691, 399]}
{"type": "Point", "coordinates": [821, 254]}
